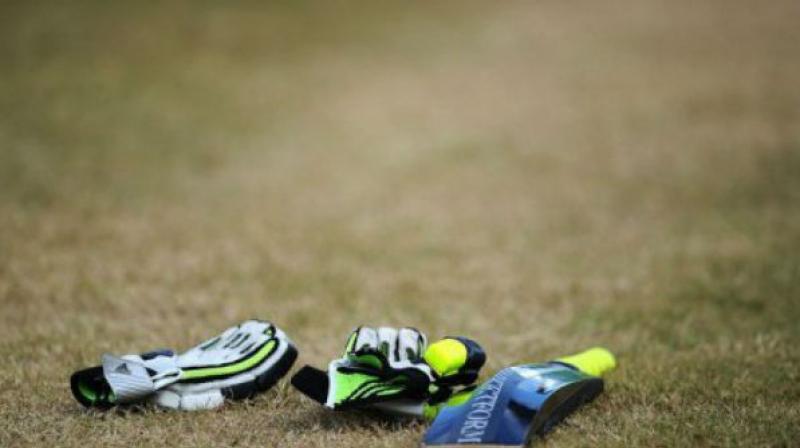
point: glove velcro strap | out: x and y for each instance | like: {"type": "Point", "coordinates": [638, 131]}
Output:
{"type": "Point", "coordinates": [130, 380]}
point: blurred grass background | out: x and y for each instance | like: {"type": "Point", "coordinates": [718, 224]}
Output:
{"type": "Point", "coordinates": [541, 176]}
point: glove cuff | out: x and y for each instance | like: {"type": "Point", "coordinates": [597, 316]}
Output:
{"type": "Point", "coordinates": [134, 377]}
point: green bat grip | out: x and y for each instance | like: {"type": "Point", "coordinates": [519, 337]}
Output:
{"type": "Point", "coordinates": [595, 361]}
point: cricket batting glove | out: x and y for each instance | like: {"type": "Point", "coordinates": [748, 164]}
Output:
{"type": "Point", "coordinates": [244, 360]}
{"type": "Point", "coordinates": [393, 370]}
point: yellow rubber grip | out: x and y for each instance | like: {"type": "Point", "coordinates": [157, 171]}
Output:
{"type": "Point", "coordinates": [595, 361]}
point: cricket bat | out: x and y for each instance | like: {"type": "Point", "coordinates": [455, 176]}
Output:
{"type": "Point", "coordinates": [520, 402]}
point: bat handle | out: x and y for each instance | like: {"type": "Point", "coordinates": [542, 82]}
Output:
{"type": "Point", "coordinates": [594, 361]}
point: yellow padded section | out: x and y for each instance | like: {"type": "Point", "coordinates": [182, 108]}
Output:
{"type": "Point", "coordinates": [595, 361]}
{"type": "Point", "coordinates": [446, 356]}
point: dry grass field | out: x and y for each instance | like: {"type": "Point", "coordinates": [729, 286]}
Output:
{"type": "Point", "coordinates": [542, 176]}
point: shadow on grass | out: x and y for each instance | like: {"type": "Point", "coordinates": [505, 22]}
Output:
{"type": "Point", "coordinates": [325, 420]}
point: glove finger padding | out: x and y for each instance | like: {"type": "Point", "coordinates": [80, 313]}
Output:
{"type": "Point", "coordinates": [386, 347]}
{"type": "Point", "coordinates": [244, 360]}
{"type": "Point", "coordinates": [361, 338]}
{"type": "Point", "coordinates": [411, 345]}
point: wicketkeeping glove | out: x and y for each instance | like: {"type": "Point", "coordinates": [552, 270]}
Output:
{"type": "Point", "coordinates": [393, 370]}
{"type": "Point", "coordinates": [241, 362]}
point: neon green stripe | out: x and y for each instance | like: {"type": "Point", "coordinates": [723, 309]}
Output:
{"type": "Point", "coordinates": [231, 369]}
{"type": "Point", "coordinates": [351, 343]}
{"type": "Point", "coordinates": [87, 392]}
{"type": "Point", "coordinates": [389, 391]}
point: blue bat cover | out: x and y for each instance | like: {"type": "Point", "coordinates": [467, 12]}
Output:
{"type": "Point", "coordinates": [515, 404]}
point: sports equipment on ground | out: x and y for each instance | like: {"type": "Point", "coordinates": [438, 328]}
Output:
{"type": "Point", "coordinates": [520, 402]}
{"type": "Point", "coordinates": [242, 361]}
{"type": "Point", "coordinates": [393, 370]}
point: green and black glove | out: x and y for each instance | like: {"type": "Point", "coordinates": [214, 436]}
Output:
{"type": "Point", "coordinates": [394, 370]}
